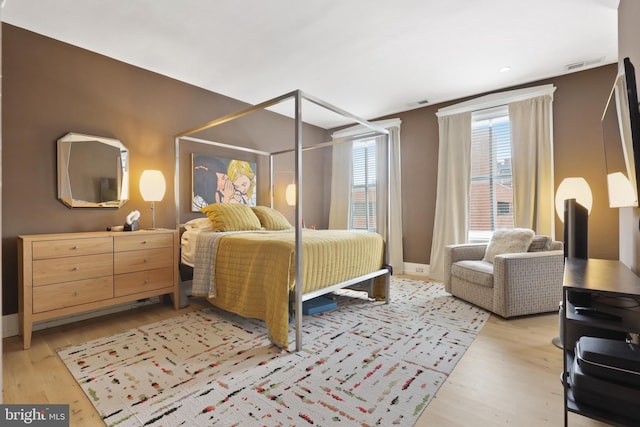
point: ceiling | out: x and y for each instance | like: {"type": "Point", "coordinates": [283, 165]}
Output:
{"type": "Point", "coordinates": [371, 58]}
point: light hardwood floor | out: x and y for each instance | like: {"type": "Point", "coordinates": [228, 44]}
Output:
{"type": "Point", "coordinates": [510, 376]}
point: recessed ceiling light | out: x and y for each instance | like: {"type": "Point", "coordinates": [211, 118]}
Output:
{"type": "Point", "coordinates": [505, 69]}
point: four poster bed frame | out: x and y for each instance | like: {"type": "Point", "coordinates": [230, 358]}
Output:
{"type": "Point", "coordinates": [370, 130]}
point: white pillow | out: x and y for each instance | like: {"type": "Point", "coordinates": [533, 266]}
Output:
{"type": "Point", "coordinates": [508, 240]}
{"type": "Point", "coordinates": [198, 224]}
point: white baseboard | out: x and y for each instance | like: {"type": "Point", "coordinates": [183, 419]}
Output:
{"type": "Point", "coordinates": [10, 322]}
{"type": "Point", "coordinates": [10, 325]}
{"type": "Point", "coordinates": [417, 269]}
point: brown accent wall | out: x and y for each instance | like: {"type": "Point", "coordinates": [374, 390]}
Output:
{"type": "Point", "coordinates": [579, 101]}
{"type": "Point", "coordinates": [51, 88]}
{"type": "Point", "coordinates": [419, 151]}
{"type": "Point", "coordinates": [629, 46]}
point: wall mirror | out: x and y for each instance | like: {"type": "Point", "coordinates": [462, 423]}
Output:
{"type": "Point", "coordinates": [93, 172]}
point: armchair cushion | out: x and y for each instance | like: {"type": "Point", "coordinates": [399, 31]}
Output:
{"type": "Point", "coordinates": [504, 241]}
{"type": "Point", "coordinates": [479, 272]}
{"type": "Point", "coordinates": [540, 243]}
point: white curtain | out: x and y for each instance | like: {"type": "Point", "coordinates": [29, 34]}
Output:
{"type": "Point", "coordinates": [341, 170]}
{"type": "Point", "coordinates": [532, 164]}
{"type": "Point", "coordinates": [339, 210]}
{"type": "Point", "coordinates": [396, 254]}
{"type": "Point", "coordinates": [452, 193]}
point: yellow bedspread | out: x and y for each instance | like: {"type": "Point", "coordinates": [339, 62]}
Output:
{"type": "Point", "coordinates": [254, 272]}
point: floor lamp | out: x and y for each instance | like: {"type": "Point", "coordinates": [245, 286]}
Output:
{"type": "Point", "coordinates": [152, 188]}
{"type": "Point", "coordinates": [570, 188]}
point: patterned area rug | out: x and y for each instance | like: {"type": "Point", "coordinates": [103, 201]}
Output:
{"type": "Point", "coordinates": [365, 363]}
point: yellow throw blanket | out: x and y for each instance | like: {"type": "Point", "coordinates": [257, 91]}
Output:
{"type": "Point", "coordinates": [254, 272]}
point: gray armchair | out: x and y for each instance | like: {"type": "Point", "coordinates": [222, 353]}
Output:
{"type": "Point", "coordinates": [515, 284]}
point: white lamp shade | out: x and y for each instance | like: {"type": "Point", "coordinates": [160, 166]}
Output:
{"type": "Point", "coordinates": [152, 185]}
{"type": "Point", "coordinates": [621, 192]}
{"type": "Point", "coordinates": [290, 194]}
{"type": "Point", "coordinates": [573, 188]}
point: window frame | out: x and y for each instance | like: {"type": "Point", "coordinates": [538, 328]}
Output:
{"type": "Point", "coordinates": [370, 171]}
{"type": "Point", "coordinates": [485, 125]}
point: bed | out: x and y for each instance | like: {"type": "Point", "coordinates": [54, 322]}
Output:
{"type": "Point", "coordinates": [251, 267]}
{"type": "Point", "coordinates": [252, 272]}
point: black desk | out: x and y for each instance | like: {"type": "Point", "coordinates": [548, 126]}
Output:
{"type": "Point", "coordinates": [600, 275]}
{"type": "Point", "coordinates": [604, 282]}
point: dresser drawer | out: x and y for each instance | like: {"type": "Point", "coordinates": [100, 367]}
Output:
{"type": "Point", "coordinates": [142, 281]}
{"type": "Point", "coordinates": [57, 270]}
{"type": "Point", "coordinates": [129, 262]}
{"type": "Point", "coordinates": [62, 295]}
{"type": "Point", "coordinates": [71, 247]}
{"type": "Point", "coordinates": [142, 240]}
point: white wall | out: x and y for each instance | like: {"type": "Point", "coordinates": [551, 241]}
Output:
{"type": "Point", "coordinates": [629, 46]}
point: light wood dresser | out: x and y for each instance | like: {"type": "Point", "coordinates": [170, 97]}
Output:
{"type": "Point", "coordinates": [62, 274]}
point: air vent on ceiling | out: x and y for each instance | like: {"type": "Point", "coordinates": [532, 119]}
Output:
{"type": "Point", "coordinates": [583, 64]}
{"type": "Point", "coordinates": [423, 102]}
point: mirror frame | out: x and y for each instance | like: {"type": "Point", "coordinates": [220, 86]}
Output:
{"type": "Point", "coordinates": [64, 183]}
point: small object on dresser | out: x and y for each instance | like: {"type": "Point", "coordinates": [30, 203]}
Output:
{"type": "Point", "coordinates": [135, 225]}
{"type": "Point", "coordinates": [132, 222]}
{"type": "Point", "coordinates": [115, 228]}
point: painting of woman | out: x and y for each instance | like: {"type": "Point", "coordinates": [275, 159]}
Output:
{"type": "Point", "coordinates": [218, 180]}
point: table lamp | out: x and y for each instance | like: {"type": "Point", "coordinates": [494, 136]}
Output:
{"type": "Point", "coordinates": [152, 188]}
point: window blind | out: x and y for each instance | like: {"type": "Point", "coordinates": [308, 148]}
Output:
{"type": "Point", "coordinates": [491, 189]}
{"type": "Point", "coordinates": [363, 186]}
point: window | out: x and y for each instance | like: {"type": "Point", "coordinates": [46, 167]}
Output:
{"type": "Point", "coordinates": [363, 186]}
{"type": "Point", "coordinates": [504, 208]}
{"type": "Point", "coordinates": [491, 191]}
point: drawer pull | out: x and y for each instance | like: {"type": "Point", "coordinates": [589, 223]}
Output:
{"type": "Point", "coordinates": [75, 294]}
{"type": "Point", "coordinates": [75, 248]}
{"type": "Point", "coordinates": [144, 242]}
{"type": "Point", "coordinates": [76, 268]}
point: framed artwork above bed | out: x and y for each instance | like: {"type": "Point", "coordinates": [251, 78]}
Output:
{"type": "Point", "coordinates": [220, 180]}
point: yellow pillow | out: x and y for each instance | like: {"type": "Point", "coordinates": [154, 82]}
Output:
{"type": "Point", "coordinates": [231, 217]}
{"type": "Point", "coordinates": [271, 219]}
